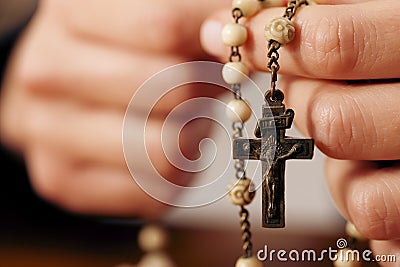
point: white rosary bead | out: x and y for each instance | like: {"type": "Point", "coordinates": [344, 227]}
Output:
{"type": "Point", "coordinates": [235, 72]}
{"type": "Point", "coordinates": [152, 238]}
{"type": "Point", "coordinates": [354, 233]}
{"type": "Point", "coordinates": [248, 7]}
{"type": "Point", "coordinates": [238, 110]}
{"type": "Point", "coordinates": [242, 193]}
{"type": "Point", "coordinates": [345, 259]}
{"type": "Point", "coordinates": [281, 30]}
{"type": "Point", "coordinates": [248, 262]}
{"type": "Point", "coordinates": [234, 34]}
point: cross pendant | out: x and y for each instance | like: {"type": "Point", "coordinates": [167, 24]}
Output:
{"type": "Point", "coordinates": [272, 147]}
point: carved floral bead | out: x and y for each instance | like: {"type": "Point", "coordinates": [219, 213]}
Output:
{"type": "Point", "coordinates": [242, 192]}
{"type": "Point", "coordinates": [345, 259]}
{"type": "Point", "coordinates": [248, 7]}
{"type": "Point", "coordinates": [238, 110]}
{"type": "Point", "coordinates": [234, 34]}
{"type": "Point", "coordinates": [235, 72]}
{"type": "Point", "coordinates": [248, 262]}
{"type": "Point", "coordinates": [281, 30]}
{"type": "Point", "coordinates": [353, 232]}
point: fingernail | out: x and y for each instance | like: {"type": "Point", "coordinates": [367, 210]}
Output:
{"type": "Point", "coordinates": [211, 40]}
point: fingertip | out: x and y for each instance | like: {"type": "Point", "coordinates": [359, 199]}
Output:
{"type": "Point", "coordinates": [210, 37]}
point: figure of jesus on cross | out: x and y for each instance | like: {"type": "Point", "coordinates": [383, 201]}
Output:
{"type": "Point", "coordinates": [273, 148]}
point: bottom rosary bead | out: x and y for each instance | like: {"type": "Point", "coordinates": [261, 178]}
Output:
{"type": "Point", "coordinates": [248, 262]}
{"type": "Point", "coordinates": [156, 259]}
{"type": "Point", "coordinates": [153, 238]}
{"type": "Point", "coordinates": [346, 258]}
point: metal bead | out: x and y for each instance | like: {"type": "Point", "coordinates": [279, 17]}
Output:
{"type": "Point", "coordinates": [235, 72]}
{"type": "Point", "coordinates": [156, 259]}
{"type": "Point", "coordinates": [242, 192]}
{"type": "Point", "coordinates": [152, 238]}
{"type": "Point", "coordinates": [248, 7]}
{"type": "Point", "coordinates": [281, 30]}
{"type": "Point", "coordinates": [234, 34]}
{"type": "Point", "coordinates": [238, 110]}
{"type": "Point", "coordinates": [248, 262]}
{"type": "Point", "coordinates": [354, 233]}
{"type": "Point", "coordinates": [345, 259]}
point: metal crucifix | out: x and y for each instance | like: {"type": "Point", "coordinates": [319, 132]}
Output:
{"type": "Point", "coordinates": [273, 148]}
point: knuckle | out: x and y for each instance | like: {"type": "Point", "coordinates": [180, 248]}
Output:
{"type": "Point", "coordinates": [374, 210]}
{"type": "Point", "coordinates": [33, 72]}
{"type": "Point", "coordinates": [330, 44]}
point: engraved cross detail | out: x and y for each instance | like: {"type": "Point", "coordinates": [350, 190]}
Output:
{"type": "Point", "coordinates": [273, 148]}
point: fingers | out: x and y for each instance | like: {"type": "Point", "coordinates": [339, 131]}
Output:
{"type": "Point", "coordinates": [92, 73]}
{"type": "Point", "coordinates": [88, 189]}
{"type": "Point", "coordinates": [350, 41]}
{"type": "Point", "coordinates": [165, 26]}
{"type": "Point", "coordinates": [388, 252]}
{"type": "Point", "coordinates": [89, 72]}
{"type": "Point", "coordinates": [90, 134]}
{"type": "Point", "coordinates": [367, 196]}
{"type": "Point", "coordinates": [347, 121]}
{"type": "Point", "coordinates": [84, 132]}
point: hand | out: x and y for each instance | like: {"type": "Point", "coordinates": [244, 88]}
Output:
{"type": "Point", "coordinates": [354, 124]}
{"type": "Point", "coordinates": [67, 88]}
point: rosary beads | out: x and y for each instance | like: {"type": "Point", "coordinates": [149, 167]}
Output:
{"type": "Point", "coordinates": [272, 147]}
{"type": "Point", "coordinates": [242, 192]}
{"type": "Point", "coordinates": [153, 241]}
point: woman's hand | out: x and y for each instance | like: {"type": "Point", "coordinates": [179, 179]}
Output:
{"type": "Point", "coordinates": [68, 85]}
{"type": "Point", "coordinates": [354, 124]}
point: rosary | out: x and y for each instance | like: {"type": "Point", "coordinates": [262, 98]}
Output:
{"type": "Point", "coordinates": [271, 146]}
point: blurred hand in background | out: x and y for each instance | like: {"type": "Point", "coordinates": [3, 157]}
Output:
{"type": "Point", "coordinates": [68, 85]}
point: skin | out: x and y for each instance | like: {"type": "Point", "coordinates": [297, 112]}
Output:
{"type": "Point", "coordinates": [60, 91]}
{"type": "Point", "coordinates": [353, 124]}
{"type": "Point", "coordinates": [68, 85]}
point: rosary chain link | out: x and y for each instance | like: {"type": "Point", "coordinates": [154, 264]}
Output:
{"type": "Point", "coordinates": [239, 165]}
{"type": "Point", "coordinates": [273, 65]}
{"type": "Point", "coordinates": [237, 91]}
{"type": "Point", "coordinates": [246, 233]}
{"type": "Point", "coordinates": [292, 7]}
{"type": "Point", "coordinates": [237, 14]}
{"type": "Point", "coordinates": [235, 53]}
{"type": "Point", "coordinates": [273, 48]}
